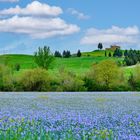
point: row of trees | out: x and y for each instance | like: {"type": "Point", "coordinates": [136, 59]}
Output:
{"type": "Point", "coordinates": [131, 57]}
{"type": "Point", "coordinates": [66, 54]}
{"type": "Point", "coordinates": [43, 57]}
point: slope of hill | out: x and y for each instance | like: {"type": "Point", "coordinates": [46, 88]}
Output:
{"type": "Point", "coordinates": [74, 63]}
{"type": "Point", "coordinates": [25, 61]}
{"type": "Point", "coordinates": [97, 53]}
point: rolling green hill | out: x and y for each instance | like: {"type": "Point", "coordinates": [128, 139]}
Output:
{"type": "Point", "coordinates": [75, 64]}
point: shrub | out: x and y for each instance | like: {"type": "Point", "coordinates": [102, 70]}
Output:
{"type": "Point", "coordinates": [104, 76]}
{"type": "Point", "coordinates": [35, 80]}
{"type": "Point", "coordinates": [134, 79]}
{"type": "Point", "coordinates": [17, 67]}
{"type": "Point", "coordinates": [70, 82]}
{"type": "Point", "coordinates": [6, 79]}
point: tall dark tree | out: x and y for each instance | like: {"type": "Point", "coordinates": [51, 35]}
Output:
{"type": "Point", "coordinates": [125, 53]}
{"type": "Point", "coordinates": [105, 54]}
{"type": "Point", "coordinates": [79, 53]}
{"type": "Point", "coordinates": [64, 53]}
{"type": "Point", "coordinates": [100, 46]}
{"type": "Point", "coordinates": [43, 57]}
{"type": "Point", "coordinates": [109, 54]}
{"type": "Point", "coordinates": [118, 53]}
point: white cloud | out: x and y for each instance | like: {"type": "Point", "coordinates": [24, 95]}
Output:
{"type": "Point", "coordinates": [114, 35]}
{"type": "Point", "coordinates": [78, 14]}
{"type": "Point", "coordinates": [9, 0]}
{"type": "Point", "coordinates": [36, 20]}
{"type": "Point", "coordinates": [33, 9]}
{"type": "Point", "coordinates": [37, 27]}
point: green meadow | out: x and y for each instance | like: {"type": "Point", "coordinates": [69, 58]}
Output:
{"type": "Point", "coordinates": [78, 65]}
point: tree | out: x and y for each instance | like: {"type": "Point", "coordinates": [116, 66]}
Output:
{"type": "Point", "coordinates": [79, 53]}
{"type": "Point", "coordinates": [117, 53]}
{"type": "Point", "coordinates": [57, 54]}
{"type": "Point", "coordinates": [132, 57]}
{"type": "Point", "coordinates": [43, 57]}
{"type": "Point", "coordinates": [100, 46]}
{"type": "Point", "coordinates": [125, 53]}
{"type": "Point", "coordinates": [17, 67]}
{"type": "Point", "coordinates": [66, 54]}
{"type": "Point", "coordinates": [109, 54]}
{"type": "Point", "coordinates": [106, 74]}
{"type": "Point", "coordinates": [105, 54]}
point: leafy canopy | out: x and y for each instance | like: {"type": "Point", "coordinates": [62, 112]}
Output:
{"type": "Point", "coordinates": [43, 57]}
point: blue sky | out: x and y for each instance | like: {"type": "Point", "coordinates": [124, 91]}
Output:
{"type": "Point", "coordinates": [71, 25]}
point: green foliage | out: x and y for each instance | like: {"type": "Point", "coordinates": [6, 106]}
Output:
{"type": "Point", "coordinates": [17, 67]}
{"type": "Point", "coordinates": [134, 79]}
{"type": "Point", "coordinates": [69, 81]}
{"type": "Point", "coordinates": [106, 74]}
{"type": "Point", "coordinates": [35, 80]}
{"type": "Point", "coordinates": [6, 79]}
{"type": "Point", "coordinates": [43, 57]}
{"type": "Point", "coordinates": [118, 53]}
{"type": "Point", "coordinates": [132, 57]}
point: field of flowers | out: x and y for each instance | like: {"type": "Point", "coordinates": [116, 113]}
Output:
{"type": "Point", "coordinates": [69, 116]}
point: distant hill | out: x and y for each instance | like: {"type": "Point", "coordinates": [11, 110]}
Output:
{"type": "Point", "coordinates": [76, 64]}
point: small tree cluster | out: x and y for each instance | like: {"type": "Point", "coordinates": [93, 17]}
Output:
{"type": "Point", "coordinates": [57, 54]}
{"type": "Point", "coordinates": [118, 53]}
{"type": "Point", "coordinates": [132, 57]}
{"type": "Point", "coordinates": [66, 54]}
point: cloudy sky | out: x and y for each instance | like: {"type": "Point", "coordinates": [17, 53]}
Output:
{"type": "Point", "coordinates": [68, 24]}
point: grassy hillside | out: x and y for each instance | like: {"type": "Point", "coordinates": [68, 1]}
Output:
{"type": "Point", "coordinates": [75, 64]}
{"type": "Point", "coordinates": [25, 61]}
{"type": "Point", "coordinates": [96, 53]}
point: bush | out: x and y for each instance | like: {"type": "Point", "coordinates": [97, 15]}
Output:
{"type": "Point", "coordinates": [69, 81]}
{"type": "Point", "coordinates": [6, 79]}
{"type": "Point", "coordinates": [134, 79]}
{"type": "Point", "coordinates": [17, 67]}
{"type": "Point", "coordinates": [35, 80]}
{"type": "Point", "coordinates": [104, 76]}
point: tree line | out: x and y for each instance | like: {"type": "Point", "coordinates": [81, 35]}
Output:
{"type": "Point", "coordinates": [66, 54]}
{"type": "Point", "coordinates": [131, 57]}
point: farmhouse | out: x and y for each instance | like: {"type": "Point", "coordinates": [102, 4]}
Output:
{"type": "Point", "coordinates": [113, 48]}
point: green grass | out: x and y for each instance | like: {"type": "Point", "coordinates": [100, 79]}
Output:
{"type": "Point", "coordinates": [97, 53]}
{"type": "Point", "coordinates": [25, 61]}
{"type": "Point", "coordinates": [78, 65]}
{"type": "Point", "coordinates": [75, 64]}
